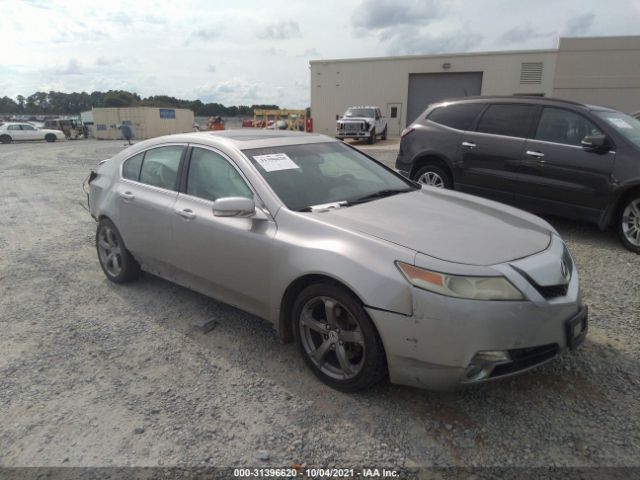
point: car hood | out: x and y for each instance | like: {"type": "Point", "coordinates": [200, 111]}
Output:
{"type": "Point", "coordinates": [448, 225]}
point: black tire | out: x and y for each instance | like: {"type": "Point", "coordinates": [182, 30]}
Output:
{"type": "Point", "coordinates": [372, 363]}
{"type": "Point", "coordinates": [372, 137]}
{"type": "Point", "coordinates": [384, 134]}
{"type": "Point", "coordinates": [444, 175]}
{"type": "Point", "coordinates": [129, 268]}
{"type": "Point", "coordinates": [50, 137]}
{"type": "Point", "coordinates": [5, 139]}
{"type": "Point", "coordinates": [628, 222]}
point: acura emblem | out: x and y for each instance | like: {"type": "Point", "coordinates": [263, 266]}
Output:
{"type": "Point", "coordinates": [564, 269]}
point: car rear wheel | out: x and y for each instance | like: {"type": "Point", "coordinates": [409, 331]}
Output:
{"type": "Point", "coordinates": [433, 176]}
{"type": "Point", "coordinates": [629, 222]}
{"type": "Point", "coordinates": [50, 137]}
{"type": "Point", "coordinates": [5, 139]}
{"type": "Point", "coordinates": [116, 261]}
{"type": "Point", "coordinates": [337, 339]}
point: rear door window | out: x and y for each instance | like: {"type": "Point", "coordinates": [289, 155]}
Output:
{"type": "Point", "coordinates": [131, 167]}
{"type": "Point", "coordinates": [508, 120]}
{"type": "Point", "coordinates": [459, 116]}
{"type": "Point", "coordinates": [160, 166]}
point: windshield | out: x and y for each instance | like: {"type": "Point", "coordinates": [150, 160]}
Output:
{"type": "Point", "coordinates": [320, 173]}
{"type": "Point", "coordinates": [625, 125]}
{"type": "Point", "coordinates": [359, 112]}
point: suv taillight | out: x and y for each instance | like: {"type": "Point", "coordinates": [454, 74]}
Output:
{"type": "Point", "coordinates": [406, 131]}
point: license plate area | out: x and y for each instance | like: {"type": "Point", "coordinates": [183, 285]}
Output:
{"type": "Point", "coordinates": [576, 328]}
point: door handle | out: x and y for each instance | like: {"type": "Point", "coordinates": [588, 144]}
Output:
{"type": "Point", "coordinates": [127, 195]}
{"type": "Point", "coordinates": [186, 213]}
{"type": "Point", "coordinates": [469, 144]}
{"type": "Point", "coordinates": [535, 154]}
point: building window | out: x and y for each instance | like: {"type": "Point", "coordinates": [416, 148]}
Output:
{"type": "Point", "coordinates": [167, 113]}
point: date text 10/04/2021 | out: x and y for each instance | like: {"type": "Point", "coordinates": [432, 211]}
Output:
{"type": "Point", "coordinates": [316, 472]}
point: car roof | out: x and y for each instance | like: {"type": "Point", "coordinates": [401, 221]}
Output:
{"type": "Point", "coordinates": [535, 100]}
{"type": "Point", "coordinates": [243, 139]}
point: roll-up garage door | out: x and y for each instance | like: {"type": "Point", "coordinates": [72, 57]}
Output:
{"type": "Point", "coordinates": [427, 88]}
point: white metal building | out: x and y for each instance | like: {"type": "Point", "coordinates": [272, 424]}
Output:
{"type": "Point", "coordinates": [146, 122]}
{"type": "Point", "coordinates": [596, 70]}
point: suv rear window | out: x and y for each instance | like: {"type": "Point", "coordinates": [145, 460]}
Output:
{"type": "Point", "coordinates": [459, 116]}
{"type": "Point", "coordinates": [508, 120]}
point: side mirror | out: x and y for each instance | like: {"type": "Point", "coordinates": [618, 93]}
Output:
{"type": "Point", "coordinates": [596, 143]}
{"type": "Point", "coordinates": [234, 207]}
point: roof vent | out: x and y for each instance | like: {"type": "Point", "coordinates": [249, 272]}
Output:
{"type": "Point", "coordinates": [531, 73]}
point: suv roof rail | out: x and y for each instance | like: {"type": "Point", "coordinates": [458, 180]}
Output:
{"type": "Point", "coordinates": [511, 97]}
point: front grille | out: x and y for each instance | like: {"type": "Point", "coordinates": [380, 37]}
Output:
{"type": "Point", "coordinates": [352, 127]}
{"type": "Point", "coordinates": [523, 358]}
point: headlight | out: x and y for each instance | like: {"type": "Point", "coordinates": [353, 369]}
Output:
{"type": "Point", "coordinates": [475, 288]}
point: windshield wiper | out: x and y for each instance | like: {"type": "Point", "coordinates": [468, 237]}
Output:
{"type": "Point", "coordinates": [380, 194]}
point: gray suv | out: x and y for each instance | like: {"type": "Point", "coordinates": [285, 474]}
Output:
{"type": "Point", "coordinates": [541, 154]}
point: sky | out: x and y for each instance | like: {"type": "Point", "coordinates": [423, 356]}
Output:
{"type": "Point", "coordinates": [251, 52]}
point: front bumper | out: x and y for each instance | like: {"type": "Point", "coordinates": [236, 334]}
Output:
{"type": "Point", "coordinates": [359, 134]}
{"type": "Point", "coordinates": [435, 350]}
{"type": "Point", "coordinates": [438, 346]}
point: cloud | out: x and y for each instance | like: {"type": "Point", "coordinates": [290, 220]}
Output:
{"type": "Point", "coordinates": [579, 25]}
{"type": "Point", "coordinates": [522, 34]}
{"type": "Point", "coordinates": [310, 53]}
{"type": "Point", "coordinates": [211, 68]}
{"type": "Point", "coordinates": [232, 92]}
{"type": "Point", "coordinates": [72, 68]}
{"type": "Point", "coordinates": [280, 30]}
{"type": "Point", "coordinates": [412, 41]}
{"type": "Point", "coordinates": [106, 61]}
{"type": "Point", "coordinates": [381, 14]}
{"type": "Point", "coordinates": [274, 52]}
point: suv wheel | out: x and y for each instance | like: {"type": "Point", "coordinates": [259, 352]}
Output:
{"type": "Point", "coordinates": [629, 222]}
{"type": "Point", "coordinates": [384, 134]}
{"type": "Point", "coordinates": [372, 137]}
{"type": "Point", "coordinates": [433, 176]}
{"type": "Point", "coordinates": [337, 339]}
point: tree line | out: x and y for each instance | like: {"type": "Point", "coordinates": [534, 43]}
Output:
{"type": "Point", "coordinates": [60, 103]}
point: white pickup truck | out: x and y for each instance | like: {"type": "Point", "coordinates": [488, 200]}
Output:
{"type": "Point", "coordinates": [362, 122]}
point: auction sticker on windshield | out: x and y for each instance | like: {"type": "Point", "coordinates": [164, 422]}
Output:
{"type": "Point", "coordinates": [275, 161]}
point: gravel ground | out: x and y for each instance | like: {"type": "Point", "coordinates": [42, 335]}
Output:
{"type": "Point", "coordinates": [95, 374]}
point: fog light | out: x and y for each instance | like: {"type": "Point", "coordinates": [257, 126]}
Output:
{"type": "Point", "coordinates": [482, 364]}
{"type": "Point", "coordinates": [491, 357]}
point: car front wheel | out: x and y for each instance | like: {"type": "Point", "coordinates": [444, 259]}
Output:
{"type": "Point", "coordinates": [629, 223]}
{"type": "Point", "coordinates": [372, 137]}
{"type": "Point", "coordinates": [337, 339]}
{"type": "Point", "coordinates": [116, 261]}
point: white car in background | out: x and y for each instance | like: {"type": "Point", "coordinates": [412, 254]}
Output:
{"type": "Point", "coordinates": [14, 132]}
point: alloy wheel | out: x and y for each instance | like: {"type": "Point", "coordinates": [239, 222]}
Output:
{"type": "Point", "coordinates": [631, 222]}
{"type": "Point", "coordinates": [332, 338]}
{"type": "Point", "coordinates": [110, 251]}
{"type": "Point", "coordinates": [431, 179]}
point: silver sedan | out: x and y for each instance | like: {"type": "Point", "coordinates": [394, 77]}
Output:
{"type": "Point", "coordinates": [370, 273]}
